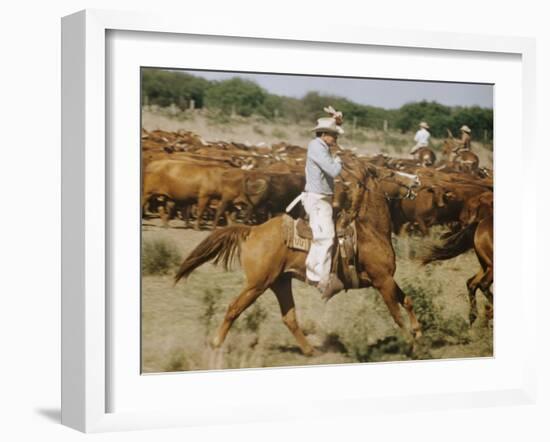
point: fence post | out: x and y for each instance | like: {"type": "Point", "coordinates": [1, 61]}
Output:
{"type": "Point", "coordinates": [353, 128]}
{"type": "Point", "coordinates": [191, 104]}
{"type": "Point", "coordinates": [173, 109]}
{"type": "Point", "coordinates": [385, 125]}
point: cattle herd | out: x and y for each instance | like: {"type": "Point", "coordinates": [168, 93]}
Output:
{"type": "Point", "coordinates": [185, 176]}
{"type": "Point", "coordinates": [210, 184]}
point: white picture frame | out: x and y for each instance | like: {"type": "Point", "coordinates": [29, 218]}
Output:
{"type": "Point", "coordinates": [86, 356]}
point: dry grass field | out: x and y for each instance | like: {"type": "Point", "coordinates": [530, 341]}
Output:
{"type": "Point", "coordinates": [257, 130]}
{"type": "Point", "coordinates": [355, 326]}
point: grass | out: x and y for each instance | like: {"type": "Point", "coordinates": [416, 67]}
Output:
{"type": "Point", "coordinates": [279, 133]}
{"type": "Point", "coordinates": [439, 330]}
{"type": "Point", "coordinates": [179, 322]}
{"type": "Point", "coordinates": [158, 257]}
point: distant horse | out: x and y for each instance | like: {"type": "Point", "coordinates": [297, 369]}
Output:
{"type": "Point", "coordinates": [425, 156]}
{"type": "Point", "coordinates": [268, 263]}
{"type": "Point", "coordinates": [464, 161]}
{"type": "Point", "coordinates": [478, 235]}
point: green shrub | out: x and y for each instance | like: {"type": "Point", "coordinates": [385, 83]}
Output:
{"type": "Point", "coordinates": [355, 337]}
{"type": "Point", "coordinates": [437, 329]}
{"type": "Point", "coordinates": [244, 97]}
{"type": "Point", "coordinates": [158, 257]}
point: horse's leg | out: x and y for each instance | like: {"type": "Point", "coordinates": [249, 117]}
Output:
{"type": "Point", "coordinates": [282, 288]}
{"type": "Point", "coordinates": [393, 296]}
{"type": "Point", "coordinates": [473, 284]}
{"type": "Point", "coordinates": [485, 286]}
{"type": "Point", "coordinates": [237, 306]}
{"type": "Point", "coordinates": [407, 303]}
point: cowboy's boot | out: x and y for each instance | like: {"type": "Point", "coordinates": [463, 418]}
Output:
{"type": "Point", "coordinates": [332, 286]}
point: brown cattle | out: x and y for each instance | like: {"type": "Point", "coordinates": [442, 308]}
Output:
{"type": "Point", "coordinates": [181, 183]}
{"type": "Point", "coordinates": [422, 210]}
{"type": "Point", "coordinates": [476, 208]}
{"type": "Point", "coordinates": [272, 191]}
{"type": "Point", "coordinates": [258, 191]}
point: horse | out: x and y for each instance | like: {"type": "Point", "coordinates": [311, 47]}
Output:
{"type": "Point", "coordinates": [268, 263]}
{"type": "Point", "coordinates": [479, 235]}
{"type": "Point", "coordinates": [425, 156]}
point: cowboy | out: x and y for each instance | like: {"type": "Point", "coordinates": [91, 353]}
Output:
{"type": "Point", "coordinates": [465, 143]}
{"type": "Point", "coordinates": [321, 169]}
{"type": "Point", "coordinates": [422, 137]}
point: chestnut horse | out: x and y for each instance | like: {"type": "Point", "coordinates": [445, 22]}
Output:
{"type": "Point", "coordinates": [425, 156]}
{"type": "Point", "coordinates": [268, 263]}
{"type": "Point", "coordinates": [478, 235]}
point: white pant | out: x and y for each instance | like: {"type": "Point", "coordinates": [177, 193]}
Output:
{"type": "Point", "coordinates": [319, 209]}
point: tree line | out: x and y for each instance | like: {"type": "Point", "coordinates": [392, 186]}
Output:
{"type": "Point", "coordinates": [246, 98]}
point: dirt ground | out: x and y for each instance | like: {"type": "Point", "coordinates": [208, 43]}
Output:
{"type": "Point", "coordinates": [179, 321]}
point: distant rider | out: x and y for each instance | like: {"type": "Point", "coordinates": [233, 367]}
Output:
{"type": "Point", "coordinates": [422, 137]}
{"type": "Point", "coordinates": [465, 143]}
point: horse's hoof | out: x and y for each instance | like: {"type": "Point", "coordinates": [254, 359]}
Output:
{"type": "Point", "coordinates": [215, 343]}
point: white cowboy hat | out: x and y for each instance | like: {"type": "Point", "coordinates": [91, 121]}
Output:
{"type": "Point", "coordinates": [328, 125]}
{"type": "Point", "coordinates": [465, 129]}
{"type": "Point", "coordinates": [424, 125]}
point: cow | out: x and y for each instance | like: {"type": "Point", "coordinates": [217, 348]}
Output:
{"type": "Point", "coordinates": [181, 183]}
{"type": "Point", "coordinates": [422, 210]}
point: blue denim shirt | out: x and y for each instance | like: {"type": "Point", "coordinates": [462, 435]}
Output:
{"type": "Point", "coordinates": [321, 169]}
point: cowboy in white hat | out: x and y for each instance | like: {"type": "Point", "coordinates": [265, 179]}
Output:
{"type": "Point", "coordinates": [422, 137]}
{"type": "Point", "coordinates": [321, 169]}
{"type": "Point", "coordinates": [465, 143]}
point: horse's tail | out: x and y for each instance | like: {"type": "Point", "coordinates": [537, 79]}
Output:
{"type": "Point", "coordinates": [222, 246]}
{"type": "Point", "coordinates": [454, 245]}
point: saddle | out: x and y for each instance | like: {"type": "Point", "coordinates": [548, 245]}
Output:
{"type": "Point", "coordinates": [297, 235]}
